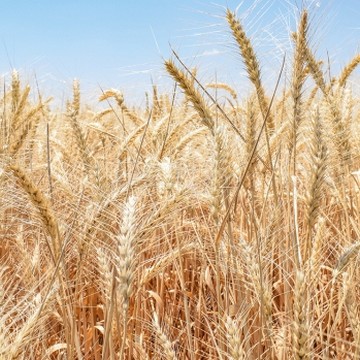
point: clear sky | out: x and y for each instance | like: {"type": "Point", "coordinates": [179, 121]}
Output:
{"type": "Point", "coordinates": [118, 43]}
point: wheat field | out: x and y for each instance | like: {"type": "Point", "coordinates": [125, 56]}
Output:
{"type": "Point", "coordinates": [205, 225]}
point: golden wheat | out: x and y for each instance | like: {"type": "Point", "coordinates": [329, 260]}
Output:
{"type": "Point", "coordinates": [159, 232]}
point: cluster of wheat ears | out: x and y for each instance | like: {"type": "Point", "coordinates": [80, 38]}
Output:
{"type": "Point", "coordinates": [202, 226]}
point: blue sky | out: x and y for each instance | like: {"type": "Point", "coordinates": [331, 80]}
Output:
{"type": "Point", "coordinates": [120, 44]}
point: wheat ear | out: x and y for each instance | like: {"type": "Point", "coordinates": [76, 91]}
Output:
{"type": "Point", "coordinates": [233, 336]}
{"type": "Point", "coordinates": [347, 71]}
{"type": "Point", "coordinates": [315, 70]}
{"type": "Point", "coordinates": [191, 93]}
{"type": "Point", "coordinates": [73, 114]}
{"type": "Point", "coordinates": [225, 87]}
{"type": "Point", "coordinates": [251, 64]}
{"type": "Point", "coordinates": [125, 261]}
{"type": "Point", "coordinates": [251, 119]}
{"type": "Point", "coordinates": [30, 124]}
{"type": "Point", "coordinates": [119, 98]}
{"type": "Point", "coordinates": [163, 339]}
{"type": "Point", "coordinates": [318, 161]}
{"type": "Point", "coordinates": [125, 256]}
{"type": "Point", "coordinates": [346, 258]}
{"type": "Point", "coordinates": [22, 102]}
{"type": "Point", "coordinates": [222, 171]}
{"type": "Point", "coordinates": [42, 204]}
{"type": "Point", "coordinates": [350, 302]}
{"type": "Point", "coordinates": [15, 90]}
{"type": "Point", "coordinates": [301, 328]}
{"type": "Point", "coordinates": [297, 82]}
{"type": "Point", "coordinates": [157, 110]}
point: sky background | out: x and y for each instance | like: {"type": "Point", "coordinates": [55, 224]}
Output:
{"type": "Point", "coordinates": [121, 44]}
